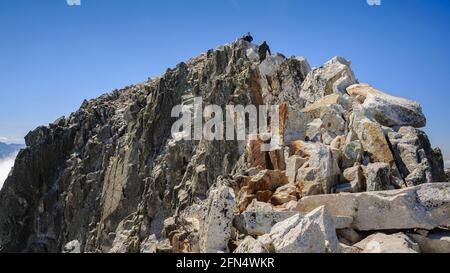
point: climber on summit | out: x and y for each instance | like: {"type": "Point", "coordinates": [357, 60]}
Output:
{"type": "Point", "coordinates": [263, 50]}
{"type": "Point", "coordinates": [247, 37]}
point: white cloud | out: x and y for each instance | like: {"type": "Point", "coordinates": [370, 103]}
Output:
{"type": "Point", "coordinates": [73, 2]}
{"type": "Point", "coordinates": [5, 167]}
{"type": "Point", "coordinates": [12, 140]}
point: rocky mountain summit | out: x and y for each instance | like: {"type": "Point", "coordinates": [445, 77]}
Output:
{"type": "Point", "coordinates": [354, 172]}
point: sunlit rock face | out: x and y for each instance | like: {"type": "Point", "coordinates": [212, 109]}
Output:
{"type": "Point", "coordinates": [110, 178]}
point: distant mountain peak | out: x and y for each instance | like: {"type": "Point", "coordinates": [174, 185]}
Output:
{"type": "Point", "coordinates": [7, 150]}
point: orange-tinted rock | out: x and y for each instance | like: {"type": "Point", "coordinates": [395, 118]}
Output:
{"type": "Point", "coordinates": [277, 160]}
{"type": "Point", "coordinates": [310, 188]}
{"type": "Point", "coordinates": [315, 108]}
{"type": "Point", "coordinates": [179, 244]}
{"type": "Point", "coordinates": [284, 194]}
{"type": "Point", "coordinates": [284, 115]}
{"type": "Point", "coordinates": [371, 136]}
{"type": "Point", "coordinates": [297, 148]}
{"type": "Point", "coordinates": [255, 88]}
{"type": "Point", "coordinates": [260, 187]}
{"type": "Point", "coordinates": [375, 143]}
{"type": "Point", "coordinates": [264, 196]}
{"type": "Point", "coordinates": [256, 157]}
{"type": "Point", "coordinates": [245, 199]}
{"type": "Point", "coordinates": [265, 160]}
{"type": "Point", "coordinates": [267, 180]}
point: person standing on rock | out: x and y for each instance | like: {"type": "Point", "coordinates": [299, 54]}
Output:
{"type": "Point", "coordinates": [263, 50]}
{"type": "Point", "coordinates": [247, 37]}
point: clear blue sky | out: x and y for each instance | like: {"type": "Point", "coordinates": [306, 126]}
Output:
{"type": "Point", "coordinates": [52, 56]}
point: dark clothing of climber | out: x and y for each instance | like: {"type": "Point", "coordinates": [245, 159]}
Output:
{"type": "Point", "coordinates": [263, 50]}
{"type": "Point", "coordinates": [247, 37]}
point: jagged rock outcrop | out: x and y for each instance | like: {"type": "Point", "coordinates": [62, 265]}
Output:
{"type": "Point", "coordinates": [415, 158]}
{"type": "Point", "coordinates": [389, 110]}
{"type": "Point", "coordinates": [110, 177]}
{"type": "Point", "coordinates": [251, 245]}
{"type": "Point", "coordinates": [313, 233]}
{"type": "Point", "coordinates": [422, 207]}
{"type": "Point", "coordinates": [259, 218]}
{"type": "Point", "coordinates": [382, 243]}
{"type": "Point", "coordinates": [216, 222]}
{"type": "Point", "coordinates": [331, 78]}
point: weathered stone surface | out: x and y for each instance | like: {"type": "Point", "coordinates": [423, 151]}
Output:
{"type": "Point", "coordinates": [164, 246]}
{"type": "Point", "coordinates": [447, 173]}
{"type": "Point", "coordinates": [125, 239]}
{"type": "Point", "coordinates": [267, 242]}
{"type": "Point", "coordinates": [318, 106]}
{"type": "Point", "coordinates": [185, 237]}
{"type": "Point", "coordinates": [356, 181]}
{"type": "Point", "coordinates": [435, 242]}
{"type": "Point", "coordinates": [349, 235]}
{"type": "Point", "coordinates": [333, 77]}
{"type": "Point", "coordinates": [417, 161]}
{"type": "Point", "coordinates": [217, 221]}
{"type": "Point", "coordinates": [245, 199]}
{"type": "Point", "coordinates": [378, 177]}
{"type": "Point", "coordinates": [259, 158]}
{"type": "Point", "coordinates": [285, 194]}
{"type": "Point", "coordinates": [389, 110]}
{"type": "Point", "coordinates": [289, 206]}
{"type": "Point", "coordinates": [72, 247]}
{"type": "Point", "coordinates": [149, 244]}
{"type": "Point", "coordinates": [314, 130]}
{"type": "Point", "coordinates": [310, 188]}
{"type": "Point", "coordinates": [324, 120]}
{"type": "Point", "coordinates": [267, 180]}
{"type": "Point", "coordinates": [293, 163]}
{"type": "Point", "coordinates": [270, 65]}
{"type": "Point", "coordinates": [371, 136]}
{"type": "Point", "coordinates": [278, 160]}
{"type": "Point", "coordinates": [342, 221]}
{"type": "Point", "coordinates": [258, 219]}
{"type": "Point", "coordinates": [315, 233]}
{"type": "Point", "coordinates": [282, 83]}
{"type": "Point", "coordinates": [262, 186]}
{"type": "Point", "coordinates": [292, 124]}
{"type": "Point", "coordinates": [251, 245]}
{"type": "Point", "coordinates": [426, 207]}
{"type": "Point", "coordinates": [352, 153]}
{"type": "Point", "coordinates": [256, 156]}
{"type": "Point", "coordinates": [346, 249]}
{"type": "Point", "coordinates": [321, 166]}
{"type": "Point", "coordinates": [382, 243]}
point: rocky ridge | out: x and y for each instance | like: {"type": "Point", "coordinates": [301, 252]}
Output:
{"type": "Point", "coordinates": [354, 174]}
